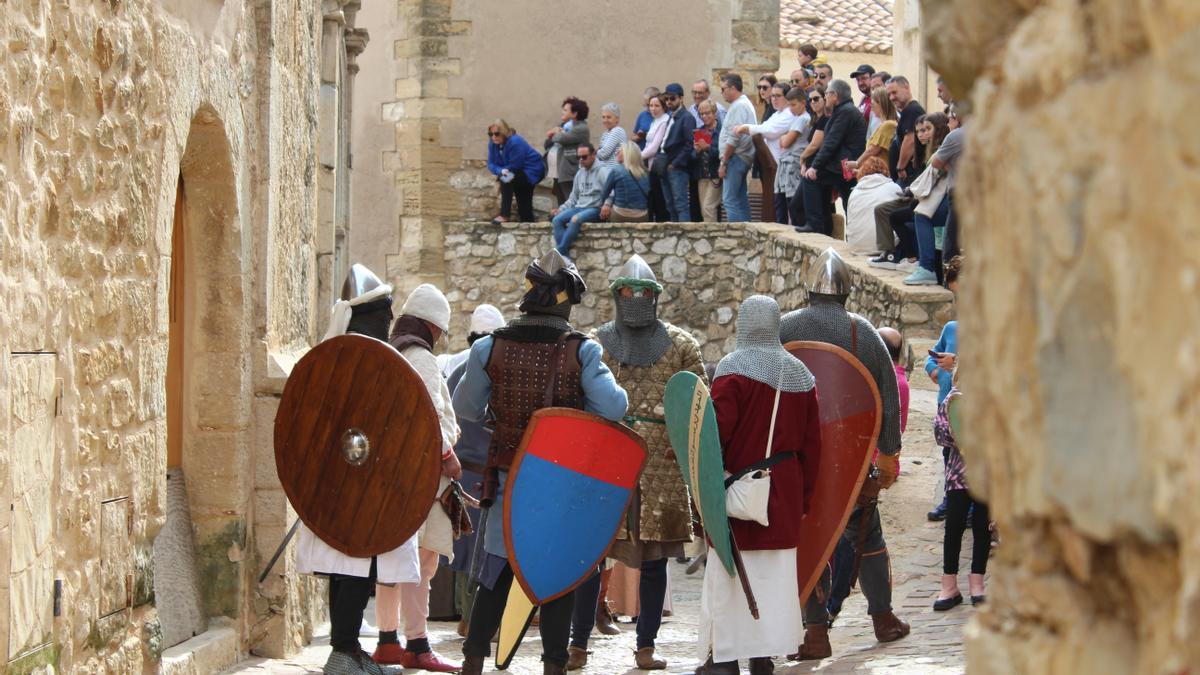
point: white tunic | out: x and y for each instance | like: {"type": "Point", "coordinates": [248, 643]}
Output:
{"type": "Point", "coordinates": [400, 565]}
{"type": "Point", "coordinates": [727, 629]}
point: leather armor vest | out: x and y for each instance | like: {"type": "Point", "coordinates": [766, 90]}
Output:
{"type": "Point", "coordinates": [520, 373]}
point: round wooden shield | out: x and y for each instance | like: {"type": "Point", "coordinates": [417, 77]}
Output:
{"type": "Point", "coordinates": [851, 414]}
{"type": "Point", "coordinates": [358, 445]}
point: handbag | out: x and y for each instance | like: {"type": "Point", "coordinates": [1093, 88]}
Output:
{"type": "Point", "coordinates": [930, 190]}
{"type": "Point", "coordinates": [747, 492]}
{"type": "Point", "coordinates": [658, 165]}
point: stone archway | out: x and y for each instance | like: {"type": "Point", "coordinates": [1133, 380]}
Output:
{"type": "Point", "coordinates": [199, 573]}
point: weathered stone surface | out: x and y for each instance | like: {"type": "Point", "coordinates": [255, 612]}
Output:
{"type": "Point", "coordinates": [702, 292]}
{"type": "Point", "coordinates": [1080, 362]}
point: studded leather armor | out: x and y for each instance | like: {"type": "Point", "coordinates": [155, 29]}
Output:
{"type": "Point", "coordinates": [520, 372]}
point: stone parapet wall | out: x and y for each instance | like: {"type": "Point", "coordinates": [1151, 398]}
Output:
{"type": "Point", "coordinates": [706, 269]}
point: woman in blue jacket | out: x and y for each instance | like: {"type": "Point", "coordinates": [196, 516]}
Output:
{"type": "Point", "coordinates": [517, 166]}
{"type": "Point", "coordinates": [627, 188]}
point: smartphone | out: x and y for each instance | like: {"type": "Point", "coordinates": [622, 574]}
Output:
{"type": "Point", "coordinates": [934, 354]}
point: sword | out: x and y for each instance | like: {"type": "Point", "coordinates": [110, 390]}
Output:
{"type": "Point", "coordinates": [279, 551]}
{"type": "Point", "coordinates": [864, 519]}
{"type": "Point", "coordinates": [741, 572]}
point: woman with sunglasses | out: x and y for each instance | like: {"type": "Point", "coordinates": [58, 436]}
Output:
{"type": "Point", "coordinates": [816, 134]}
{"type": "Point", "coordinates": [518, 169]}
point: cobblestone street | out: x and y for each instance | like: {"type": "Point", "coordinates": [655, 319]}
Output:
{"type": "Point", "coordinates": [934, 647]}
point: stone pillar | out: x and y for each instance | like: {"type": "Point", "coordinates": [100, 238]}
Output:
{"type": "Point", "coordinates": [1080, 355]}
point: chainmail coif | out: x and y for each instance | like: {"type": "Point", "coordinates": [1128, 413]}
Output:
{"type": "Point", "coordinates": [759, 354]}
{"type": "Point", "coordinates": [636, 337]}
{"type": "Point", "coordinates": [827, 320]}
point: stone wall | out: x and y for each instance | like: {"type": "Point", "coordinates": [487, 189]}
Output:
{"type": "Point", "coordinates": [706, 269]}
{"type": "Point", "coordinates": [1081, 361]}
{"type": "Point", "coordinates": [112, 115]}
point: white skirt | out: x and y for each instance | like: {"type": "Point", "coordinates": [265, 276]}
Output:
{"type": "Point", "coordinates": [727, 629]}
{"type": "Point", "coordinates": [399, 565]}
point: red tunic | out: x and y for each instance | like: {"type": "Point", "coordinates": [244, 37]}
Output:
{"type": "Point", "coordinates": [743, 409]}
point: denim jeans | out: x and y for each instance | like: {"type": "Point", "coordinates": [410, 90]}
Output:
{"type": "Point", "coordinates": [734, 192]}
{"type": "Point", "coordinates": [567, 224]}
{"type": "Point", "coordinates": [675, 194]}
{"type": "Point", "coordinates": [926, 249]}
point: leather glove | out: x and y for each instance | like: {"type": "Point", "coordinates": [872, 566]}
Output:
{"type": "Point", "coordinates": [889, 467]}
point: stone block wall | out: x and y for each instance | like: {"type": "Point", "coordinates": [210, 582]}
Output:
{"type": "Point", "coordinates": [707, 269]}
{"type": "Point", "coordinates": [1080, 356]}
{"type": "Point", "coordinates": [103, 107]}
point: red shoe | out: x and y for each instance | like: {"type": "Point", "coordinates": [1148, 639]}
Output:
{"type": "Point", "coordinates": [431, 661]}
{"type": "Point", "coordinates": [390, 654]}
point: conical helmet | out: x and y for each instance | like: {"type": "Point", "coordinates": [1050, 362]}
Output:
{"type": "Point", "coordinates": [359, 282]}
{"type": "Point", "coordinates": [636, 273]}
{"type": "Point", "coordinates": [829, 275]}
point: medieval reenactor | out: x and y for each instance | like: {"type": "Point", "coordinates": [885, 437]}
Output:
{"type": "Point", "coordinates": [535, 359]}
{"type": "Point", "coordinates": [472, 451]}
{"type": "Point", "coordinates": [765, 401]}
{"type": "Point", "coordinates": [644, 352]}
{"type": "Point", "coordinates": [484, 319]}
{"type": "Point", "coordinates": [827, 320]}
{"type": "Point", "coordinates": [424, 318]}
{"type": "Point", "coordinates": [365, 308]}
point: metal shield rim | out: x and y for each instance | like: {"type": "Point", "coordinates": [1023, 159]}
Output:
{"type": "Point", "coordinates": [518, 573]}
{"type": "Point", "coordinates": [424, 489]}
{"type": "Point", "coordinates": [815, 576]}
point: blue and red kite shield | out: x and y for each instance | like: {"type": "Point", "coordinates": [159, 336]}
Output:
{"type": "Point", "coordinates": [567, 492]}
{"type": "Point", "coordinates": [851, 413]}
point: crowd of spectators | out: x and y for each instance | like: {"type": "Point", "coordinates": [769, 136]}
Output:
{"type": "Point", "coordinates": [890, 164]}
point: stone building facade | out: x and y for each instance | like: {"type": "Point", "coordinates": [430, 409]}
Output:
{"type": "Point", "coordinates": [452, 66]}
{"type": "Point", "coordinates": [1080, 361]}
{"type": "Point", "coordinates": [172, 197]}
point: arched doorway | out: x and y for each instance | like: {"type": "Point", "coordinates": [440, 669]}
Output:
{"type": "Point", "coordinates": [199, 572]}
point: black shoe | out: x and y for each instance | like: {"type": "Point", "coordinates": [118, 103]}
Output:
{"type": "Point", "coordinates": [947, 603]}
{"type": "Point", "coordinates": [884, 261]}
{"type": "Point", "coordinates": [977, 600]}
{"type": "Point", "coordinates": [938, 513]}
{"type": "Point", "coordinates": [806, 230]}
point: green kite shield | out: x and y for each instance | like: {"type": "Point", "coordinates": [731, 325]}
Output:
{"type": "Point", "coordinates": [692, 428]}
{"type": "Point", "coordinates": [358, 445]}
{"type": "Point", "coordinates": [851, 414]}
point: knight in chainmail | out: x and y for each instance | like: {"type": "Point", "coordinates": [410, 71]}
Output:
{"type": "Point", "coordinates": [826, 319]}
{"type": "Point", "coordinates": [535, 361]}
{"type": "Point", "coordinates": [644, 352]}
{"type": "Point", "coordinates": [365, 308]}
{"type": "Point", "coordinates": [768, 419]}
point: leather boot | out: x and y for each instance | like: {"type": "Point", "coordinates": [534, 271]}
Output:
{"type": "Point", "coordinates": [816, 643]}
{"type": "Point", "coordinates": [553, 668]}
{"type": "Point", "coordinates": [646, 659]}
{"type": "Point", "coordinates": [605, 620]}
{"type": "Point", "coordinates": [472, 665]}
{"type": "Point", "coordinates": [889, 627]}
{"type": "Point", "coordinates": [576, 657]}
{"type": "Point", "coordinates": [710, 668]}
{"type": "Point", "coordinates": [762, 665]}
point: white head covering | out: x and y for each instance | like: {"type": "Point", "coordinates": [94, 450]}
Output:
{"type": "Point", "coordinates": [427, 302]}
{"type": "Point", "coordinates": [361, 287]}
{"type": "Point", "coordinates": [485, 319]}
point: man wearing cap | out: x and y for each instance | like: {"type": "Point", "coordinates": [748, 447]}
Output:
{"type": "Point", "coordinates": [424, 318]}
{"type": "Point", "coordinates": [827, 320]}
{"type": "Point", "coordinates": [365, 308]}
{"type": "Point", "coordinates": [485, 319]}
{"type": "Point", "coordinates": [506, 379]}
{"type": "Point", "coordinates": [863, 77]}
{"type": "Point", "coordinates": [767, 415]}
{"type": "Point", "coordinates": [644, 352]}
{"type": "Point", "coordinates": [677, 146]}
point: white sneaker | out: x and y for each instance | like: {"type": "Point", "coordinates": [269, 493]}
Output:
{"type": "Point", "coordinates": [905, 265]}
{"type": "Point", "coordinates": [921, 277]}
